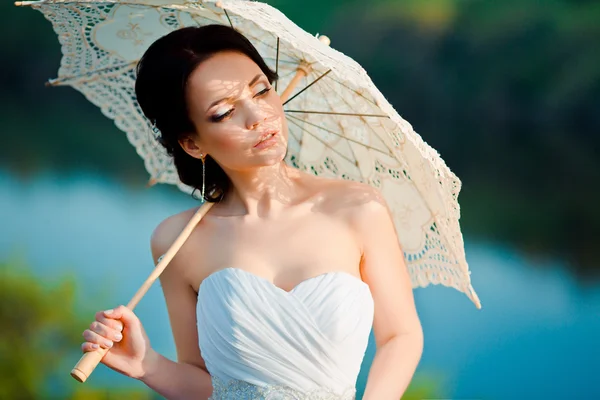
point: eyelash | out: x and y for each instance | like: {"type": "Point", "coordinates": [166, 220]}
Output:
{"type": "Point", "coordinates": [219, 118]}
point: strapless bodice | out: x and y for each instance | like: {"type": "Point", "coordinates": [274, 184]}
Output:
{"type": "Point", "coordinates": [262, 342]}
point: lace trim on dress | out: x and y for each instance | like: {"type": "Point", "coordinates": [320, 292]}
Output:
{"type": "Point", "coordinates": [241, 390]}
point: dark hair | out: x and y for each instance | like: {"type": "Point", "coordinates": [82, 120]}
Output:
{"type": "Point", "coordinates": [160, 88]}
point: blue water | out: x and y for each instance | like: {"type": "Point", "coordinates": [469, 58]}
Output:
{"type": "Point", "coordinates": [535, 338]}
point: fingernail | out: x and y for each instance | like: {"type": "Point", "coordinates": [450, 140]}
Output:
{"type": "Point", "coordinates": [108, 343]}
{"type": "Point", "coordinates": [95, 346]}
{"type": "Point", "coordinates": [118, 336]}
{"type": "Point", "coordinates": [108, 311]}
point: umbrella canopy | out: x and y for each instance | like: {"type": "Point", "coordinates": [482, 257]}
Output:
{"type": "Point", "coordinates": [340, 125]}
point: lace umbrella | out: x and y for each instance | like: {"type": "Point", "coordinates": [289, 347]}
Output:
{"type": "Point", "coordinates": [340, 125]}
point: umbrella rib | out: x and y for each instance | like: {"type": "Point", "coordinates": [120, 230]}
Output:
{"type": "Point", "coordinates": [249, 36]}
{"type": "Point", "coordinates": [349, 88]}
{"type": "Point", "coordinates": [357, 93]}
{"type": "Point", "coordinates": [360, 115]}
{"type": "Point", "coordinates": [369, 125]}
{"type": "Point", "coordinates": [352, 140]}
{"type": "Point", "coordinates": [348, 141]}
{"type": "Point", "coordinates": [293, 58]}
{"type": "Point", "coordinates": [352, 90]}
{"type": "Point", "coordinates": [228, 19]}
{"type": "Point", "coordinates": [324, 143]}
{"type": "Point", "coordinates": [336, 113]}
{"type": "Point", "coordinates": [277, 63]}
{"type": "Point", "coordinates": [307, 86]}
{"type": "Point", "coordinates": [339, 135]}
{"type": "Point", "coordinates": [354, 162]}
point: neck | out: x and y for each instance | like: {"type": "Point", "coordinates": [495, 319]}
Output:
{"type": "Point", "coordinates": [261, 192]}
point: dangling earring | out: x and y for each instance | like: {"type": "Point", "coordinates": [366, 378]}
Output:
{"type": "Point", "coordinates": [202, 157]}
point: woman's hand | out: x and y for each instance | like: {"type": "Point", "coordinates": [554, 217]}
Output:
{"type": "Point", "coordinates": [120, 331]}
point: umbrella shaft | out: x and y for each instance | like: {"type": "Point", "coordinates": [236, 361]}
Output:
{"type": "Point", "coordinates": [300, 73]}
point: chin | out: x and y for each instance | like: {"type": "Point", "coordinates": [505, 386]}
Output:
{"type": "Point", "coordinates": [268, 160]}
{"type": "Point", "coordinates": [273, 155]}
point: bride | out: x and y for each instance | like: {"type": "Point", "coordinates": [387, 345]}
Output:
{"type": "Point", "coordinates": [276, 290]}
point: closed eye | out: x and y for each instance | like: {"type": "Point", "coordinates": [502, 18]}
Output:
{"type": "Point", "coordinates": [221, 117]}
{"type": "Point", "coordinates": [263, 92]}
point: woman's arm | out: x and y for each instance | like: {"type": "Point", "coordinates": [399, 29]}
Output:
{"type": "Point", "coordinates": [187, 378]}
{"type": "Point", "coordinates": [397, 328]}
{"type": "Point", "coordinates": [176, 380]}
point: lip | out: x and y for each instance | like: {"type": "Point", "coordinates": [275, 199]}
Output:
{"type": "Point", "coordinates": [264, 136]}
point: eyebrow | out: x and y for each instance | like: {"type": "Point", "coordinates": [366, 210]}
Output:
{"type": "Point", "coordinates": [252, 82]}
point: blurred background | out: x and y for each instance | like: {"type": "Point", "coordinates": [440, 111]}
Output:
{"type": "Point", "coordinates": [508, 93]}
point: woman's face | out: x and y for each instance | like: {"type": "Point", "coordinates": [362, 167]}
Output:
{"type": "Point", "coordinates": [238, 116]}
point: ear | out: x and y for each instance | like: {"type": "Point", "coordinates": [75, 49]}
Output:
{"type": "Point", "coordinates": [190, 146]}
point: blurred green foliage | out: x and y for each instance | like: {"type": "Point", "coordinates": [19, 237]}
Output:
{"type": "Point", "coordinates": [507, 92]}
{"type": "Point", "coordinates": [40, 339]}
{"type": "Point", "coordinates": [424, 386]}
{"type": "Point", "coordinates": [39, 329]}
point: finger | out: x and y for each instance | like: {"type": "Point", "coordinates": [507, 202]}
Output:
{"type": "Point", "coordinates": [124, 314]}
{"type": "Point", "coordinates": [106, 331]}
{"type": "Point", "coordinates": [93, 337]}
{"type": "Point", "coordinates": [111, 322]}
{"type": "Point", "coordinates": [87, 346]}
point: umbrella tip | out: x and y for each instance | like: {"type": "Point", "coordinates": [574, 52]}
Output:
{"type": "Point", "coordinates": [325, 40]}
{"type": "Point", "coordinates": [18, 3]}
{"type": "Point", "coordinates": [151, 182]}
{"type": "Point", "coordinates": [53, 82]}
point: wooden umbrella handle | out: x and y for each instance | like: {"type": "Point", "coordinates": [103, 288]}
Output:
{"type": "Point", "coordinates": [88, 362]}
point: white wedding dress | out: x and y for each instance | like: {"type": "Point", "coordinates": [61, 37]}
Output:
{"type": "Point", "coordinates": [262, 342]}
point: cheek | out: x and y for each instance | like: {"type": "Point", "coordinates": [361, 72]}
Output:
{"type": "Point", "coordinates": [275, 105]}
{"type": "Point", "coordinates": [276, 116]}
{"type": "Point", "coordinates": [226, 138]}
{"type": "Point", "coordinates": [227, 142]}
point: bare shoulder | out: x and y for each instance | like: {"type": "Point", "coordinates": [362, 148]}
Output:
{"type": "Point", "coordinates": [361, 207]}
{"type": "Point", "coordinates": [168, 230]}
{"type": "Point", "coordinates": [356, 200]}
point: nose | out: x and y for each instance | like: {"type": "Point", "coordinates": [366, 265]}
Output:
{"type": "Point", "coordinates": [256, 116]}
{"type": "Point", "coordinates": [254, 123]}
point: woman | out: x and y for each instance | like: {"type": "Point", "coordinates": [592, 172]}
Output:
{"type": "Point", "coordinates": [277, 288]}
